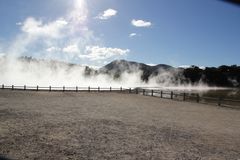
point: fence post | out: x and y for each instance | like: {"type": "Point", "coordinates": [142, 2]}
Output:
{"type": "Point", "coordinates": [219, 101]}
{"type": "Point", "coordinates": [161, 94]}
{"type": "Point", "coordinates": [63, 88]}
{"type": "Point", "coordinates": [184, 96]}
{"type": "Point", "coordinates": [110, 89]}
{"type": "Point", "coordinates": [37, 87]}
{"type": "Point", "coordinates": [12, 87]}
{"type": "Point", "coordinates": [50, 88]}
{"type": "Point", "coordinates": [143, 91]}
{"type": "Point", "coordinates": [171, 94]}
{"type": "Point", "coordinates": [98, 89]}
{"type": "Point", "coordinates": [198, 98]}
{"type": "Point", "coordinates": [136, 90]}
{"type": "Point", "coordinates": [76, 88]}
{"type": "Point", "coordinates": [24, 87]}
{"type": "Point", "coordinates": [152, 92]}
{"type": "Point", "coordinates": [89, 89]}
{"type": "Point", "coordinates": [130, 90]}
{"type": "Point", "coordinates": [121, 89]}
{"type": "Point", "coordinates": [2, 86]}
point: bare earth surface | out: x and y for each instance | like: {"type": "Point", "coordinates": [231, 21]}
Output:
{"type": "Point", "coordinates": [43, 125]}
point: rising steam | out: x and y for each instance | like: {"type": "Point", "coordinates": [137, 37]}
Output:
{"type": "Point", "coordinates": [45, 73]}
{"type": "Point", "coordinates": [21, 71]}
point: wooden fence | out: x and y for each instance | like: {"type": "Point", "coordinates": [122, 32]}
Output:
{"type": "Point", "coordinates": [220, 101]}
{"type": "Point", "coordinates": [64, 88]}
{"type": "Point", "coordinates": [190, 97]}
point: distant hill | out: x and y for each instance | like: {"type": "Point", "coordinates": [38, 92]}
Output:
{"type": "Point", "coordinates": [223, 76]}
{"type": "Point", "coordinates": [117, 67]}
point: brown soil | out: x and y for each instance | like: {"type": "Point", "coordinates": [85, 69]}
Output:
{"type": "Point", "coordinates": [43, 125]}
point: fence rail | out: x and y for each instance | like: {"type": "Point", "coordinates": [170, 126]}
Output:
{"type": "Point", "coordinates": [220, 101]}
{"type": "Point", "coordinates": [190, 97]}
{"type": "Point", "coordinates": [63, 88]}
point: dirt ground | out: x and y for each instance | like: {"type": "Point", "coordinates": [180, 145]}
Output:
{"type": "Point", "coordinates": [43, 125]}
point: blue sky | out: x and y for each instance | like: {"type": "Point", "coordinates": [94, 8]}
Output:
{"type": "Point", "coordinates": [203, 33]}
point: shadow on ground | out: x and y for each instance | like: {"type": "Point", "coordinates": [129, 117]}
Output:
{"type": "Point", "coordinates": [3, 157]}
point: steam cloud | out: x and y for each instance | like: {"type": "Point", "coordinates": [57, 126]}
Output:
{"type": "Point", "coordinates": [34, 72]}
{"type": "Point", "coordinates": [45, 73]}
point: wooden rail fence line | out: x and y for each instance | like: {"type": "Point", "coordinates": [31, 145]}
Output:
{"type": "Point", "coordinates": [63, 89]}
{"type": "Point", "coordinates": [220, 101]}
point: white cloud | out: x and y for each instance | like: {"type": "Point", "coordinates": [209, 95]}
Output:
{"type": "Point", "coordinates": [36, 28]}
{"type": "Point", "coordinates": [107, 14]}
{"type": "Point", "coordinates": [2, 55]}
{"type": "Point", "coordinates": [141, 23]}
{"type": "Point", "coordinates": [71, 49]}
{"type": "Point", "coordinates": [19, 23]}
{"type": "Point", "coordinates": [61, 22]}
{"type": "Point", "coordinates": [68, 33]}
{"type": "Point", "coordinates": [102, 53]}
{"type": "Point", "coordinates": [53, 49]}
{"type": "Point", "coordinates": [38, 36]}
{"type": "Point", "coordinates": [132, 34]}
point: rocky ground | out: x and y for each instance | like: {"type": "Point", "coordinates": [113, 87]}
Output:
{"type": "Point", "coordinates": [43, 125]}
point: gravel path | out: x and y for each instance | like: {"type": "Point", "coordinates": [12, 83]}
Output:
{"type": "Point", "coordinates": [43, 125]}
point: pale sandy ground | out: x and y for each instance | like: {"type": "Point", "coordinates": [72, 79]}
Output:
{"type": "Point", "coordinates": [43, 125]}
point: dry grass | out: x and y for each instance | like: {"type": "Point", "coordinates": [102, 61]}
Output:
{"type": "Point", "coordinates": [42, 125]}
